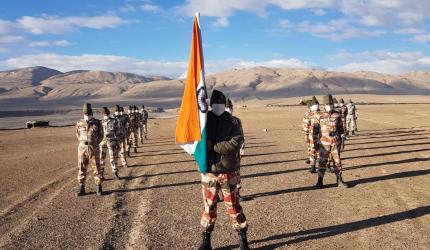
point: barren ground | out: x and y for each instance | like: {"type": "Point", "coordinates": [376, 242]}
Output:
{"type": "Point", "coordinates": [157, 204]}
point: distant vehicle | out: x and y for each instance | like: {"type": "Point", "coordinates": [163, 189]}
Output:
{"type": "Point", "coordinates": [35, 124]}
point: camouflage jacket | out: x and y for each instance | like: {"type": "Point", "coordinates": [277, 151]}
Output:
{"type": "Point", "coordinates": [110, 129]}
{"type": "Point", "coordinates": [310, 124]}
{"type": "Point", "coordinates": [89, 132]}
{"type": "Point", "coordinates": [352, 110]}
{"type": "Point", "coordinates": [225, 134]}
{"type": "Point", "coordinates": [331, 127]}
{"type": "Point", "coordinates": [122, 126]}
{"type": "Point", "coordinates": [145, 115]}
{"type": "Point", "coordinates": [133, 121]}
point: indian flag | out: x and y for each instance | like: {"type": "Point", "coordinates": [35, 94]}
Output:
{"type": "Point", "coordinates": [191, 125]}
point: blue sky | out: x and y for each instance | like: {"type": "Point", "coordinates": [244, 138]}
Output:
{"type": "Point", "coordinates": [153, 37]}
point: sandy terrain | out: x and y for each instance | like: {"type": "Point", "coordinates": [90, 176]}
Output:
{"type": "Point", "coordinates": [158, 203]}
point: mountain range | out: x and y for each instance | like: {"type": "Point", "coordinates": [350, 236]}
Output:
{"type": "Point", "coordinates": [43, 86]}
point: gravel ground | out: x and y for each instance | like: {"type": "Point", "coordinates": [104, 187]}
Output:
{"type": "Point", "coordinates": [158, 203]}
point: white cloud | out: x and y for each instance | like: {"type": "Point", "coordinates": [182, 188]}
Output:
{"type": "Point", "coordinates": [319, 12]}
{"type": "Point", "coordinates": [381, 61]}
{"type": "Point", "coordinates": [150, 8]}
{"type": "Point", "coordinates": [425, 38]}
{"type": "Point", "coordinates": [11, 39]}
{"type": "Point", "coordinates": [409, 31]}
{"type": "Point", "coordinates": [6, 27]}
{"type": "Point", "coordinates": [61, 43]}
{"type": "Point", "coordinates": [126, 64]}
{"type": "Point", "coordinates": [60, 25]}
{"type": "Point", "coordinates": [336, 30]}
{"type": "Point", "coordinates": [221, 22]}
{"type": "Point", "coordinates": [127, 8]}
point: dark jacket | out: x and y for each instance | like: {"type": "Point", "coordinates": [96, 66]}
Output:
{"type": "Point", "coordinates": [226, 136]}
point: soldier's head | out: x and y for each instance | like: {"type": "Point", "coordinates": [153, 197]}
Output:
{"type": "Point", "coordinates": [143, 106]}
{"type": "Point", "coordinates": [328, 103]}
{"type": "Point", "coordinates": [218, 102]}
{"type": "Point", "coordinates": [335, 102]}
{"type": "Point", "coordinates": [121, 110]}
{"type": "Point", "coordinates": [87, 111]}
{"type": "Point", "coordinates": [135, 109]}
{"type": "Point", "coordinates": [130, 109]}
{"type": "Point", "coordinates": [350, 100]}
{"type": "Point", "coordinates": [314, 105]}
{"type": "Point", "coordinates": [117, 109]}
{"type": "Point", "coordinates": [105, 112]}
{"type": "Point", "coordinates": [341, 102]}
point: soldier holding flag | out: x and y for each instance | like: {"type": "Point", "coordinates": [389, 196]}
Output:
{"type": "Point", "coordinates": [214, 138]}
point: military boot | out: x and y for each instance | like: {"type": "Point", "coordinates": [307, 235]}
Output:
{"type": "Point", "coordinates": [81, 190]}
{"type": "Point", "coordinates": [339, 181]}
{"type": "Point", "coordinates": [128, 153]}
{"type": "Point", "coordinates": [321, 173]}
{"type": "Point", "coordinates": [307, 161]}
{"type": "Point", "coordinates": [99, 190]}
{"type": "Point", "coordinates": [313, 170]}
{"type": "Point", "coordinates": [135, 150]}
{"type": "Point", "coordinates": [243, 240]}
{"type": "Point", "coordinates": [206, 241]}
{"type": "Point", "coordinates": [141, 141]}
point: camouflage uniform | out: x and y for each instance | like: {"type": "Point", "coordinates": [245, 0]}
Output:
{"type": "Point", "coordinates": [331, 128]}
{"type": "Point", "coordinates": [89, 134]}
{"type": "Point", "coordinates": [351, 118]}
{"type": "Point", "coordinates": [110, 142]}
{"type": "Point", "coordinates": [310, 128]}
{"type": "Point", "coordinates": [122, 136]}
{"type": "Point", "coordinates": [225, 137]}
{"type": "Point", "coordinates": [143, 128]}
{"type": "Point", "coordinates": [343, 110]}
{"type": "Point", "coordinates": [133, 130]}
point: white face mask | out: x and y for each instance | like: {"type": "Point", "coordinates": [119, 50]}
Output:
{"type": "Point", "coordinates": [129, 111]}
{"type": "Point", "coordinates": [105, 117]}
{"type": "Point", "coordinates": [121, 113]}
{"type": "Point", "coordinates": [218, 109]}
{"type": "Point", "coordinates": [87, 117]}
{"type": "Point", "coordinates": [116, 113]}
{"type": "Point", "coordinates": [314, 107]}
{"type": "Point", "coordinates": [328, 108]}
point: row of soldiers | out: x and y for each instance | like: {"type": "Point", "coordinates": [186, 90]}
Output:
{"type": "Point", "coordinates": [115, 135]}
{"type": "Point", "coordinates": [326, 131]}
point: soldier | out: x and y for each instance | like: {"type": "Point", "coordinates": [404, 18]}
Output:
{"type": "Point", "coordinates": [143, 129]}
{"type": "Point", "coordinates": [122, 134]}
{"type": "Point", "coordinates": [351, 118]}
{"type": "Point", "coordinates": [133, 126]}
{"type": "Point", "coordinates": [225, 137]}
{"type": "Point", "coordinates": [328, 135]}
{"type": "Point", "coordinates": [310, 128]}
{"type": "Point", "coordinates": [110, 143]}
{"type": "Point", "coordinates": [89, 132]}
{"type": "Point", "coordinates": [343, 113]}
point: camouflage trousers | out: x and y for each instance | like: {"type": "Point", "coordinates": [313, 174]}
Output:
{"type": "Point", "coordinates": [132, 139]}
{"type": "Point", "coordinates": [143, 131]}
{"type": "Point", "coordinates": [89, 154]}
{"type": "Point", "coordinates": [312, 152]}
{"type": "Point", "coordinates": [351, 124]}
{"type": "Point", "coordinates": [112, 148]}
{"type": "Point", "coordinates": [123, 151]}
{"type": "Point", "coordinates": [329, 153]}
{"type": "Point", "coordinates": [226, 183]}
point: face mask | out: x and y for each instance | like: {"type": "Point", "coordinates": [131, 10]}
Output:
{"type": "Point", "coordinates": [105, 117]}
{"type": "Point", "coordinates": [129, 111]}
{"type": "Point", "coordinates": [116, 113]}
{"type": "Point", "coordinates": [87, 117]}
{"type": "Point", "coordinates": [229, 110]}
{"type": "Point", "coordinates": [218, 109]}
{"type": "Point", "coordinates": [121, 113]}
{"type": "Point", "coordinates": [328, 108]}
{"type": "Point", "coordinates": [314, 107]}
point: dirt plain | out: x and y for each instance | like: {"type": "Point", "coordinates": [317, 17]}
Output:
{"type": "Point", "coordinates": [157, 204]}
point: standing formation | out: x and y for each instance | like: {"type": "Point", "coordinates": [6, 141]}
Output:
{"type": "Point", "coordinates": [111, 136]}
{"type": "Point", "coordinates": [325, 135]}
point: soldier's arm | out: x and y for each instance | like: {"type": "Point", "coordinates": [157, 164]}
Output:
{"type": "Point", "coordinates": [233, 145]}
{"type": "Point", "coordinates": [340, 126]}
{"type": "Point", "coordinates": [101, 134]}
